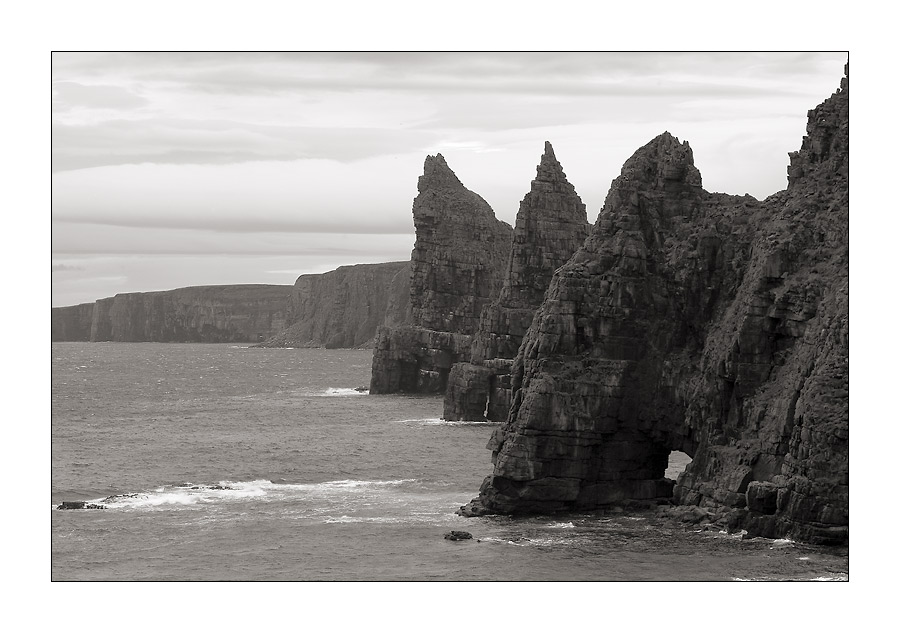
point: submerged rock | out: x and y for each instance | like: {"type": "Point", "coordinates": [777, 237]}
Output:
{"type": "Point", "coordinates": [457, 535]}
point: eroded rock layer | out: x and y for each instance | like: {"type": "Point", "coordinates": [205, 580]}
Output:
{"type": "Point", "coordinates": [345, 307]}
{"type": "Point", "coordinates": [457, 264]}
{"type": "Point", "coordinates": [550, 226]}
{"type": "Point", "coordinates": [207, 314]}
{"type": "Point", "coordinates": [712, 324]}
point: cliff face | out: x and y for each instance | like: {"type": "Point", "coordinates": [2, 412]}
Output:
{"type": "Point", "coordinates": [712, 324]}
{"type": "Point", "coordinates": [344, 307]}
{"type": "Point", "coordinates": [550, 226]}
{"type": "Point", "coordinates": [72, 323]}
{"type": "Point", "coordinates": [460, 253]}
{"type": "Point", "coordinates": [208, 314]}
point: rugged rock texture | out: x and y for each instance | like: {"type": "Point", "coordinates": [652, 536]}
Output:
{"type": "Point", "coordinates": [550, 226]}
{"type": "Point", "coordinates": [457, 263]}
{"type": "Point", "coordinates": [207, 314]}
{"type": "Point", "coordinates": [711, 324]}
{"type": "Point", "coordinates": [344, 307]}
{"type": "Point", "coordinates": [460, 254]}
{"type": "Point", "coordinates": [415, 360]}
{"type": "Point", "coordinates": [72, 323]}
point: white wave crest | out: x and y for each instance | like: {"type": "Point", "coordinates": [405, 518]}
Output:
{"type": "Point", "coordinates": [342, 391]}
{"type": "Point", "coordinates": [442, 422]}
{"type": "Point", "coordinates": [344, 483]}
{"type": "Point", "coordinates": [349, 519]}
{"type": "Point", "coordinates": [190, 494]}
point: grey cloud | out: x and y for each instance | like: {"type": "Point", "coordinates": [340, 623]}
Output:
{"type": "Point", "coordinates": [69, 94]}
{"type": "Point", "coordinates": [73, 240]}
{"type": "Point", "coordinates": [371, 225]}
{"type": "Point", "coordinates": [573, 74]}
{"type": "Point", "coordinates": [176, 141]}
{"type": "Point", "coordinates": [516, 80]}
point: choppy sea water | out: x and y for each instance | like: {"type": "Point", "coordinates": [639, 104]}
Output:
{"type": "Point", "coordinates": [223, 462]}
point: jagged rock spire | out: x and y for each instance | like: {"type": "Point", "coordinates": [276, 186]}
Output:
{"type": "Point", "coordinates": [438, 175]}
{"type": "Point", "coordinates": [825, 147]}
{"type": "Point", "coordinates": [550, 171]}
{"type": "Point", "coordinates": [460, 252]}
{"type": "Point", "coordinates": [664, 159]}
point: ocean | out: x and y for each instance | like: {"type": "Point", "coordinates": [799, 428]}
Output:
{"type": "Point", "coordinates": [223, 462]}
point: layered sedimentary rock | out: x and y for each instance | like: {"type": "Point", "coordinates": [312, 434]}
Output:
{"type": "Point", "coordinates": [550, 226]}
{"type": "Point", "coordinates": [345, 307]}
{"type": "Point", "coordinates": [711, 324]}
{"type": "Point", "coordinates": [71, 323]}
{"type": "Point", "coordinates": [207, 314]}
{"type": "Point", "coordinates": [460, 253]}
{"type": "Point", "coordinates": [457, 264]}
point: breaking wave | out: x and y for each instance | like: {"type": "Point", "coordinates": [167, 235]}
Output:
{"type": "Point", "coordinates": [343, 391]}
{"type": "Point", "coordinates": [442, 422]}
{"type": "Point", "coordinates": [187, 494]}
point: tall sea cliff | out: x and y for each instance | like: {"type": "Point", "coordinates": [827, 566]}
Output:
{"type": "Point", "coordinates": [340, 308]}
{"type": "Point", "coordinates": [346, 306]}
{"type": "Point", "coordinates": [701, 322]}
{"type": "Point", "coordinates": [204, 314]}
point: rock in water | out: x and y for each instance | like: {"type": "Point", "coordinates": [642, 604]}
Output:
{"type": "Point", "coordinates": [457, 535]}
{"type": "Point", "coordinates": [711, 324]}
{"type": "Point", "coordinates": [71, 505]}
{"type": "Point", "coordinates": [550, 226]}
{"type": "Point", "coordinates": [80, 505]}
{"type": "Point", "coordinates": [460, 252]}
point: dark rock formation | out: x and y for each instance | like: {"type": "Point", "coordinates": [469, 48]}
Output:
{"type": "Point", "coordinates": [415, 360]}
{"type": "Point", "coordinates": [345, 307]}
{"type": "Point", "coordinates": [712, 324]}
{"type": "Point", "coordinates": [79, 505]}
{"type": "Point", "coordinates": [457, 535]}
{"type": "Point", "coordinates": [550, 226]}
{"type": "Point", "coordinates": [72, 323]}
{"type": "Point", "coordinates": [460, 252]}
{"type": "Point", "coordinates": [207, 314]}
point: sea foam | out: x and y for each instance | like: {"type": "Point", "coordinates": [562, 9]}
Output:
{"type": "Point", "coordinates": [341, 391]}
{"type": "Point", "coordinates": [191, 494]}
{"type": "Point", "coordinates": [442, 422]}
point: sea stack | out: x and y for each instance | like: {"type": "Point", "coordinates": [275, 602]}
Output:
{"type": "Point", "coordinates": [550, 226]}
{"type": "Point", "coordinates": [706, 323]}
{"type": "Point", "coordinates": [460, 254]}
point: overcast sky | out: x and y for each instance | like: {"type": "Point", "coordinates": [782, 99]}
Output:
{"type": "Point", "coordinates": [172, 170]}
